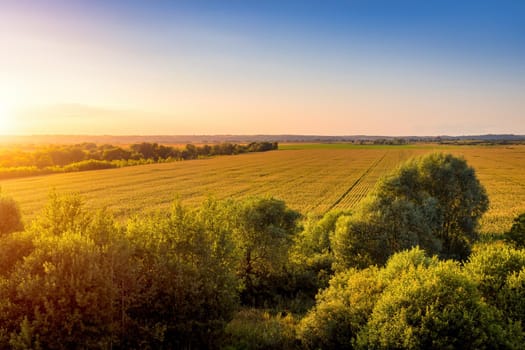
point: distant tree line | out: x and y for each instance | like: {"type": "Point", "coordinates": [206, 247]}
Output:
{"type": "Point", "coordinates": [90, 156]}
{"type": "Point", "coordinates": [394, 141]}
{"type": "Point", "coordinates": [405, 270]}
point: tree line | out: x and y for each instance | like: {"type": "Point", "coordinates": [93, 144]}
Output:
{"type": "Point", "coordinates": [90, 156]}
{"type": "Point", "coordinates": [405, 270]}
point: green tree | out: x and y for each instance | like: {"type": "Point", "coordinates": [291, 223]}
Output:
{"type": "Point", "coordinates": [511, 296]}
{"type": "Point", "coordinates": [414, 302]}
{"type": "Point", "coordinates": [10, 217]}
{"type": "Point", "coordinates": [434, 202]}
{"type": "Point", "coordinates": [146, 150]}
{"type": "Point", "coordinates": [13, 247]}
{"type": "Point", "coordinates": [341, 310]}
{"type": "Point", "coordinates": [499, 271]}
{"type": "Point", "coordinates": [312, 248]}
{"type": "Point", "coordinates": [516, 234]}
{"type": "Point", "coordinates": [263, 233]}
{"type": "Point", "coordinates": [376, 231]}
{"type": "Point", "coordinates": [60, 280]}
{"type": "Point", "coordinates": [461, 201]}
{"type": "Point", "coordinates": [190, 152]}
{"type": "Point", "coordinates": [63, 213]}
{"type": "Point", "coordinates": [184, 288]}
{"type": "Point", "coordinates": [436, 307]}
{"type": "Point", "coordinates": [64, 294]}
{"type": "Point", "coordinates": [115, 153]}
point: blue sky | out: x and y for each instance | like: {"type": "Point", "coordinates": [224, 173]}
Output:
{"type": "Point", "coordinates": [304, 67]}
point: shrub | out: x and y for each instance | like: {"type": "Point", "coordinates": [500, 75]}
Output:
{"type": "Point", "coordinates": [341, 310]}
{"type": "Point", "coordinates": [253, 329]}
{"type": "Point", "coordinates": [90, 164]}
{"type": "Point", "coordinates": [516, 234]}
{"type": "Point", "coordinates": [436, 307]}
{"type": "Point", "coordinates": [10, 217]}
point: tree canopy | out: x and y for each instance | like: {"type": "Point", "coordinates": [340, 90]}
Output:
{"type": "Point", "coordinates": [434, 202]}
{"type": "Point", "coordinates": [414, 302]}
{"type": "Point", "coordinates": [10, 217]}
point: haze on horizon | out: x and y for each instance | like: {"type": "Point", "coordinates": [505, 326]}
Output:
{"type": "Point", "coordinates": [374, 67]}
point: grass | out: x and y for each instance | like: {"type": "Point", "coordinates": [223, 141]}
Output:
{"type": "Point", "coordinates": [311, 178]}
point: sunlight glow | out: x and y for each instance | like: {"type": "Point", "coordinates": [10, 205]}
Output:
{"type": "Point", "coordinates": [6, 121]}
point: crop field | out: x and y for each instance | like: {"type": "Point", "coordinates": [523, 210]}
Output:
{"type": "Point", "coordinates": [310, 178]}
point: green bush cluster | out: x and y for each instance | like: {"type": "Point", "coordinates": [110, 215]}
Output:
{"type": "Point", "coordinates": [416, 302]}
{"type": "Point", "coordinates": [174, 279]}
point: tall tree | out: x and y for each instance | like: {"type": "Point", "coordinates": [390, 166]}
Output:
{"type": "Point", "coordinates": [263, 234]}
{"type": "Point", "coordinates": [434, 202]}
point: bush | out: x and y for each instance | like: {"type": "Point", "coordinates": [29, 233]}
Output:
{"type": "Point", "coordinates": [90, 164]}
{"type": "Point", "coordinates": [414, 302]}
{"type": "Point", "coordinates": [185, 288]}
{"type": "Point", "coordinates": [499, 271]}
{"type": "Point", "coordinates": [312, 254]}
{"type": "Point", "coordinates": [23, 171]}
{"type": "Point", "coordinates": [436, 307]}
{"type": "Point", "coordinates": [516, 234]}
{"type": "Point", "coordinates": [10, 217]}
{"type": "Point", "coordinates": [341, 311]}
{"type": "Point", "coordinates": [253, 329]}
{"type": "Point", "coordinates": [63, 294]}
{"type": "Point", "coordinates": [263, 233]}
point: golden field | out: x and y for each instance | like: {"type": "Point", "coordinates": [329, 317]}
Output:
{"type": "Point", "coordinates": [311, 178]}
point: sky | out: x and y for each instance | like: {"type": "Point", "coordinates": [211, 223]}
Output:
{"type": "Point", "coordinates": [374, 67]}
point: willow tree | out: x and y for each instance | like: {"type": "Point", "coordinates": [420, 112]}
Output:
{"type": "Point", "coordinates": [434, 202]}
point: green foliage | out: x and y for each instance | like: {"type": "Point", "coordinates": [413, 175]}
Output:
{"type": "Point", "coordinates": [491, 264]}
{"type": "Point", "coordinates": [354, 244]}
{"type": "Point", "coordinates": [90, 164]}
{"type": "Point", "coordinates": [461, 199]}
{"type": "Point", "coordinates": [311, 253]}
{"type": "Point", "coordinates": [414, 302]}
{"type": "Point", "coordinates": [77, 279]}
{"type": "Point", "coordinates": [516, 234]}
{"type": "Point", "coordinates": [498, 270]}
{"type": "Point", "coordinates": [511, 297]}
{"type": "Point", "coordinates": [176, 278]}
{"type": "Point", "coordinates": [64, 292]}
{"type": "Point", "coordinates": [63, 213]}
{"type": "Point", "coordinates": [404, 261]}
{"type": "Point", "coordinates": [263, 234]}
{"type": "Point", "coordinates": [185, 288]}
{"type": "Point", "coordinates": [25, 339]}
{"type": "Point", "coordinates": [60, 283]}
{"type": "Point", "coordinates": [434, 202]}
{"type": "Point", "coordinates": [13, 247]}
{"type": "Point", "coordinates": [10, 217]}
{"type": "Point", "coordinates": [341, 310]}
{"type": "Point", "coordinates": [435, 307]}
{"type": "Point", "coordinates": [253, 329]}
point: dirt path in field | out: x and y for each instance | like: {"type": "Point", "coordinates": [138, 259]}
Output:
{"type": "Point", "coordinates": [356, 182]}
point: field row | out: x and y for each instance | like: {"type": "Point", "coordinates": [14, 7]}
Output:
{"type": "Point", "coordinates": [309, 180]}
